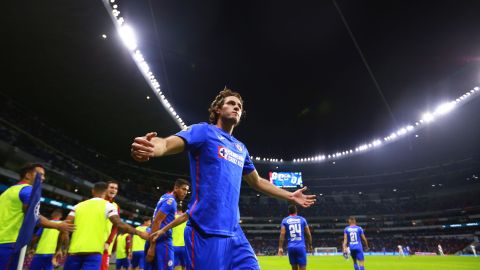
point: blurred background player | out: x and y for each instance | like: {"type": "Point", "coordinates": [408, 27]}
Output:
{"type": "Point", "coordinates": [159, 252]}
{"type": "Point", "coordinates": [440, 250]}
{"type": "Point", "coordinates": [179, 241]}
{"type": "Point", "coordinates": [112, 191]}
{"type": "Point", "coordinates": [400, 251]}
{"type": "Point", "coordinates": [297, 231]}
{"type": "Point", "coordinates": [124, 252]}
{"type": "Point", "coordinates": [473, 250]}
{"type": "Point", "coordinates": [13, 205]}
{"type": "Point", "coordinates": [352, 236]}
{"type": "Point", "coordinates": [138, 246]}
{"type": "Point", "coordinates": [88, 240]}
{"type": "Point", "coordinates": [47, 244]}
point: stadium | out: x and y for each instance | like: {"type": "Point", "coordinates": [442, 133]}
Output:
{"type": "Point", "coordinates": [374, 107]}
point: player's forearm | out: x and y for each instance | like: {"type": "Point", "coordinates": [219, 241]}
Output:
{"type": "Point", "coordinates": [268, 188]}
{"type": "Point", "coordinates": [309, 239]}
{"type": "Point", "coordinates": [160, 146]}
{"type": "Point", "coordinates": [45, 223]}
{"type": "Point", "coordinates": [280, 243]}
{"type": "Point", "coordinates": [179, 220]}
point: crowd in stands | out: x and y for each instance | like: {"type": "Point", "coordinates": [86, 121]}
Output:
{"type": "Point", "coordinates": [23, 131]}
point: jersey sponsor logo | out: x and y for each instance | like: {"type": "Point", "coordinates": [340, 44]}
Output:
{"type": "Point", "coordinates": [293, 221]}
{"type": "Point", "coordinates": [231, 156]}
{"type": "Point", "coordinates": [170, 263]}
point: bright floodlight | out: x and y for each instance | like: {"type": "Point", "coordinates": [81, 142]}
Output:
{"type": "Point", "coordinates": [445, 108]}
{"type": "Point", "coordinates": [427, 117]}
{"type": "Point", "coordinates": [128, 37]}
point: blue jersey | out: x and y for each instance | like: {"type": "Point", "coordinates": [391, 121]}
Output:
{"type": "Point", "coordinates": [168, 206]}
{"type": "Point", "coordinates": [295, 230]}
{"type": "Point", "coordinates": [217, 163]}
{"type": "Point", "coordinates": [354, 237]}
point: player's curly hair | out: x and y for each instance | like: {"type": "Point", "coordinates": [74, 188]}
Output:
{"type": "Point", "coordinates": [218, 103]}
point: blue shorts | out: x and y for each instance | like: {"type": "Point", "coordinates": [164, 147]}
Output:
{"type": "Point", "coordinates": [207, 252]}
{"type": "Point", "coordinates": [42, 262]}
{"type": "Point", "coordinates": [122, 263]}
{"type": "Point", "coordinates": [180, 256]}
{"type": "Point", "coordinates": [84, 262]}
{"type": "Point", "coordinates": [163, 256]}
{"type": "Point", "coordinates": [357, 255]}
{"type": "Point", "coordinates": [6, 251]}
{"type": "Point", "coordinates": [297, 256]}
{"type": "Point", "coordinates": [138, 259]}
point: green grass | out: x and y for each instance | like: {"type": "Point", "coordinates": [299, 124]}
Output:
{"type": "Point", "coordinates": [376, 263]}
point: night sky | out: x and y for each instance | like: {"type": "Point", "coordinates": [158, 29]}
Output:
{"type": "Point", "coordinates": [305, 86]}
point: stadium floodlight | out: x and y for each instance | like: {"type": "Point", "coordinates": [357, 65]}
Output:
{"type": "Point", "coordinates": [104, 36]}
{"type": "Point", "coordinates": [444, 108]}
{"type": "Point", "coordinates": [427, 117]}
{"type": "Point", "coordinates": [128, 37]}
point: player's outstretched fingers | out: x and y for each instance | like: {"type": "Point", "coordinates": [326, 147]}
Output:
{"type": "Point", "coordinates": [151, 135]}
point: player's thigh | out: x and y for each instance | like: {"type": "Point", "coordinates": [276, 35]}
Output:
{"type": "Point", "coordinates": [242, 254]}
{"type": "Point", "coordinates": [73, 262]}
{"type": "Point", "coordinates": [136, 258]}
{"type": "Point", "coordinates": [164, 256]}
{"type": "Point", "coordinates": [92, 262]}
{"type": "Point", "coordinates": [6, 252]}
{"type": "Point", "coordinates": [205, 252]}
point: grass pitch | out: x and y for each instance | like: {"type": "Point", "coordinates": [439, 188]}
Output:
{"type": "Point", "coordinates": [376, 263]}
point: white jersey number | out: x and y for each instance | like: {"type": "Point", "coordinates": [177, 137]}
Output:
{"type": "Point", "coordinates": [295, 232]}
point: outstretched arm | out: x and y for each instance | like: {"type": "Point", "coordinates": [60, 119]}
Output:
{"type": "Point", "coordinates": [264, 186]}
{"type": "Point", "coordinates": [365, 241]}
{"type": "Point", "coordinates": [280, 241]}
{"type": "Point", "coordinates": [179, 220]}
{"type": "Point", "coordinates": [344, 242]}
{"type": "Point", "coordinates": [116, 221]}
{"type": "Point", "coordinates": [149, 146]}
{"type": "Point", "coordinates": [308, 237]}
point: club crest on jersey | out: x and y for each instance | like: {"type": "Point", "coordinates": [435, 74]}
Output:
{"type": "Point", "coordinates": [239, 147]}
{"type": "Point", "coordinates": [225, 153]}
{"type": "Point", "coordinates": [170, 201]}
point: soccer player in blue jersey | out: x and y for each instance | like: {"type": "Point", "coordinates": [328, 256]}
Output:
{"type": "Point", "coordinates": [297, 231]}
{"type": "Point", "coordinates": [353, 236]}
{"type": "Point", "coordinates": [160, 252]}
{"type": "Point", "coordinates": [218, 162]}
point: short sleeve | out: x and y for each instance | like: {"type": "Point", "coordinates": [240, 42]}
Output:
{"type": "Point", "coordinates": [283, 224]}
{"type": "Point", "coordinates": [360, 230]}
{"type": "Point", "coordinates": [111, 210]}
{"type": "Point", "coordinates": [167, 206]}
{"type": "Point", "coordinates": [248, 166]}
{"type": "Point", "coordinates": [25, 193]}
{"type": "Point", "coordinates": [194, 136]}
{"type": "Point", "coordinates": [305, 222]}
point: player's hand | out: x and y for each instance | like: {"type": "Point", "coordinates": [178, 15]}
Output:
{"type": "Point", "coordinates": [280, 252]}
{"type": "Point", "coordinates": [130, 256]}
{"type": "Point", "coordinates": [310, 249]}
{"type": "Point", "coordinates": [65, 226]}
{"type": "Point", "coordinates": [154, 236]}
{"type": "Point", "coordinates": [106, 246]}
{"type": "Point", "coordinates": [59, 255]}
{"type": "Point", "coordinates": [367, 249]}
{"type": "Point", "coordinates": [301, 199]}
{"type": "Point", "coordinates": [142, 147]}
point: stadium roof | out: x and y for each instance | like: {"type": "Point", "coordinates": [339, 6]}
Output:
{"type": "Point", "coordinates": [306, 85]}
